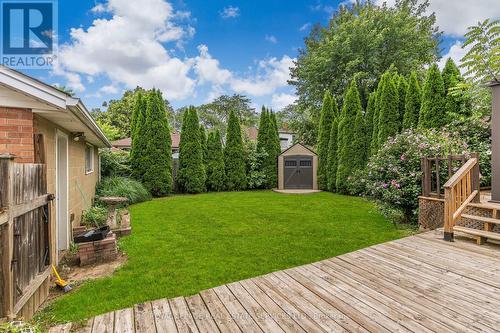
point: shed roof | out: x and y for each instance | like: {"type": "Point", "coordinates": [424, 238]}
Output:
{"type": "Point", "coordinates": [298, 144]}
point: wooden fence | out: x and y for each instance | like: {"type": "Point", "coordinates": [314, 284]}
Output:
{"type": "Point", "coordinates": [25, 237]}
{"type": "Point", "coordinates": [437, 170]}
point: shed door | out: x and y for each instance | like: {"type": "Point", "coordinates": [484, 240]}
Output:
{"type": "Point", "coordinates": [298, 172]}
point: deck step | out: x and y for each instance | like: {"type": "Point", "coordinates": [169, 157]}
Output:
{"type": "Point", "coordinates": [481, 218]}
{"type": "Point", "coordinates": [485, 205]}
{"type": "Point", "coordinates": [480, 233]}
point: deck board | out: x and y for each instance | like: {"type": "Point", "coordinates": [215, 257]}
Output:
{"type": "Point", "coordinates": [415, 284]}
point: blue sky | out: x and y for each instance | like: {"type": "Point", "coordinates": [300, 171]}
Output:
{"type": "Point", "coordinates": [195, 50]}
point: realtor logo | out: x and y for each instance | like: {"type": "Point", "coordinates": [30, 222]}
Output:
{"type": "Point", "coordinates": [28, 33]}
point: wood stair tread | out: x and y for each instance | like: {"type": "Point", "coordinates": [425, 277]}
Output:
{"type": "Point", "coordinates": [476, 232]}
{"type": "Point", "coordinates": [485, 205]}
{"type": "Point", "coordinates": [481, 218]}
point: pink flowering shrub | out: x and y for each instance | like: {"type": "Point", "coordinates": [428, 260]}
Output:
{"type": "Point", "coordinates": [393, 176]}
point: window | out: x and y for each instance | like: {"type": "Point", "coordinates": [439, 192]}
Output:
{"type": "Point", "coordinates": [290, 163]}
{"type": "Point", "coordinates": [306, 163]}
{"type": "Point", "coordinates": [89, 159]}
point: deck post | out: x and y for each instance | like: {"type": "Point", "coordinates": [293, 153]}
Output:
{"type": "Point", "coordinates": [495, 142]}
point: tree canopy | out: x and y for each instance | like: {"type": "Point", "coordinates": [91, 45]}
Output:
{"type": "Point", "coordinates": [365, 40]}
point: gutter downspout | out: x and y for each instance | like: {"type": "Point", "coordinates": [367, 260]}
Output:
{"type": "Point", "coordinates": [495, 141]}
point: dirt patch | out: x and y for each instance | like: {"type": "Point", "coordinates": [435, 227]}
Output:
{"type": "Point", "coordinates": [77, 275]}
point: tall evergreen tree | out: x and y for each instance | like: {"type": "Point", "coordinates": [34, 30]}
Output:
{"type": "Point", "coordinates": [273, 150]}
{"type": "Point", "coordinates": [139, 139]}
{"type": "Point", "coordinates": [389, 119]}
{"type": "Point", "coordinates": [203, 140]}
{"type": "Point", "coordinates": [333, 156]}
{"type": "Point", "coordinates": [374, 145]}
{"type": "Point", "coordinates": [191, 175]}
{"type": "Point", "coordinates": [215, 162]}
{"type": "Point", "coordinates": [456, 105]}
{"type": "Point", "coordinates": [325, 126]}
{"type": "Point", "coordinates": [402, 87]}
{"type": "Point", "coordinates": [369, 115]}
{"type": "Point", "coordinates": [412, 102]}
{"type": "Point", "coordinates": [262, 135]}
{"type": "Point", "coordinates": [234, 157]}
{"type": "Point", "coordinates": [450, 74]}
{"type": "Point", "coordinates": [433, 109]}
{"type": "Point", "coordinates": [158, 174]}
{"type": "Point", "coordinates": [263, 145]}
{"type": "Point", "coordinates": [351, 139]}
{"type": "Point", "coordinates": [137, 110]}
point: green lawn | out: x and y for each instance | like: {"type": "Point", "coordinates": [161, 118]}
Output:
{"type": "Point", "coordinates": [183, 244]}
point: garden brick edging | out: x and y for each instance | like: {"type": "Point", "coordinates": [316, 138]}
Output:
{"type": "Point", "coordinates": [99, 251]}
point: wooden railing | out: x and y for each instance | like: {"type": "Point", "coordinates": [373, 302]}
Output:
{"type": "Point", "coordinates": [436, 169]}
{"type": "Point", "coordinates": [460, 190]}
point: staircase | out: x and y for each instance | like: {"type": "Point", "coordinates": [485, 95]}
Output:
{"type": "Point", "coordinates": [463, 211]}
{"type": "Point", "coordinates": [484, 227]}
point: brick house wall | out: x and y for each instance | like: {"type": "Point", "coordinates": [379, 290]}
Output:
{"type": "Point", "coordinates": [16, 133]}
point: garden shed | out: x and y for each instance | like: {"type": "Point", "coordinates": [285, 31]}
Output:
{"type": "Point", "coordinates": [297, 168]}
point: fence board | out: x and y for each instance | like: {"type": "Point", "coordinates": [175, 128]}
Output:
{"type": "Point", "coordinates": [24, 249]}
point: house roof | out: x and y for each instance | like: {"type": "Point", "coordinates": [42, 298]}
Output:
{"type": "Point", "coordinates": [127, 142]}
{"type": "Point", "coordinates": [252, 132]}
{"type": "Point", "coordinates": [18, 90]}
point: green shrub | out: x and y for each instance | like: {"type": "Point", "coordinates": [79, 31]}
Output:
{"type": "Point", "coordinates": [115, 163]}
{"type": "Point", "coordinates": [256, 175]}
{"type": "Point", "coordinates": [19, 327]}
{"type": "Point", "coordinates": [95, 217]}
{"type": "Point", "coordinates": [122, 187]}
{"type": "Point", "coordinates": [393, 176]}
{"type": "Point", "coordinates": [476, 133]}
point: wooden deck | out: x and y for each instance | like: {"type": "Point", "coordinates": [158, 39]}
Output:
{"type": "Point", "coordinates": [415, 284]}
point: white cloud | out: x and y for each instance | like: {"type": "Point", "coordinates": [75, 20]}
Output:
{"type": "Point", "coordinates": [271, 39]}
{"type": "Point", "coordinates": [99, 8]}
{"type": "Point", "coordinates": [272, 74]}
{"type": "Point", "coordinates": [127, 48]}
{"type": "Point", "coordinates": [305, 26]}
{"type": "Point", "coordinates": [208, 69]}
{"type": "Point", "coordinates": [109, 90]}
{"type": "Point", "coordinates": [230, 12]}
{"type": "Point", "coordinates": [280, 101]}
{"type": "Point", "coordinates": [456, 52]}
{"type": "Point", "coordinates": [453, 17]}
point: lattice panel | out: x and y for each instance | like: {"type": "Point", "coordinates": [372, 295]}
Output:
{"type": "Point", "coordinates": [476, 211]}
{"type": "Point", "coordinates": [431, 213]}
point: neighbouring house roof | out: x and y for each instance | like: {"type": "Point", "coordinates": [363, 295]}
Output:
{"type": "Point", "coordinates": [252, 132]}
{"type": "Point", "coordinates": [127, 142]}
{"type": "Point", "coordinates": [18, 90]}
